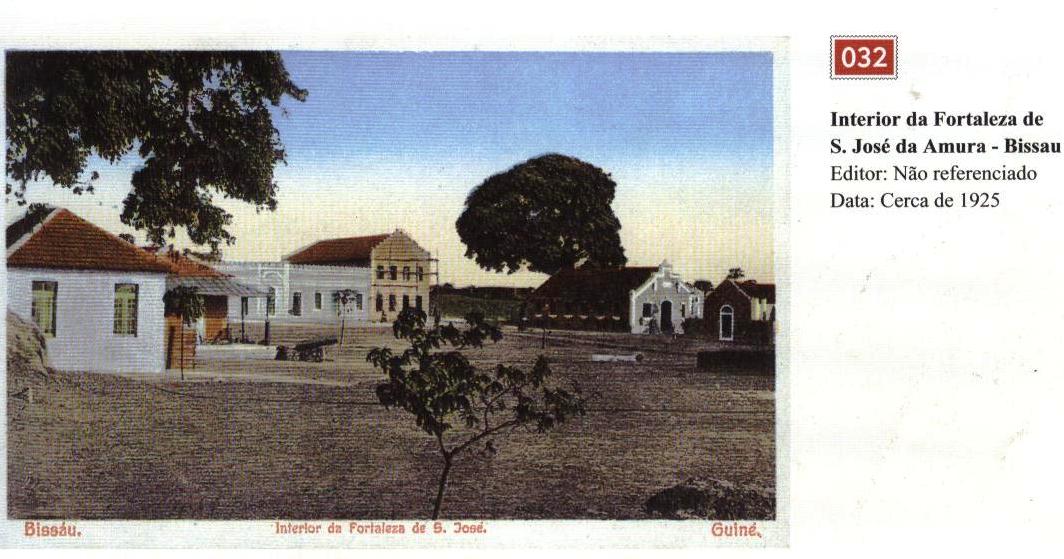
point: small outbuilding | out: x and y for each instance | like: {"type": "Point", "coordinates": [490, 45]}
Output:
{"type": "Point", "coordinates": [742, 312]}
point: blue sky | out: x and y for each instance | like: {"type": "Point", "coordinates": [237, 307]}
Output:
{"type": "Point", "coordinates": [608, 108]}
{"type": "Point", "coordinates": [390, 140]}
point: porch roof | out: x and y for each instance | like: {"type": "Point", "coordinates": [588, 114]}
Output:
{"type": "Point", "coordinates": [215, 286]}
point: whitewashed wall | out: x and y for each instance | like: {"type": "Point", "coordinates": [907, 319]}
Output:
{"type": "Point", "coordinates": [305, 279]}
{"type": "Point", "coordinates": [665, 285]}
{"type": "Point", "coordinates": [85, 339]}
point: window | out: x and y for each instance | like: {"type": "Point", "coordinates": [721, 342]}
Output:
{"type": "Point", "coordinates": [380, 272]}
{"type": "Point", "coordinates": [125, 309]}
{"type": "Point", "coordinates": [406, 273]}
{"type": "Point", "coordinates": [683, 310]}
{"type": "Point", "coordinates": [727, 323]}
{"type": "Point", "coordinates": [380, 302]}
{"type": "Point", "coordinates": [393, 272]}
{"type": "Point", "coordinates": [317, 301]}
{"type": "Point", "coordinates": [420, 273]}
{"type": "Point", "coordinates": [271, 301]}
{"type": "Point", "coordinates": [417, 302]}
{"type": "Point", "coordinates": [43, 307]}
{"type": "Point", "coordinates": [648, 310]}
{"type": "Point", "coordinates": [297, 304]}
{"type": "Point", "coordinates": [406, 302]}
{"type": "Point", "coordinates": [243, 306]}
{"type": "Point", "coordinates": [358, 301]}
{"type": "Point", "coordinates": [391, 302]}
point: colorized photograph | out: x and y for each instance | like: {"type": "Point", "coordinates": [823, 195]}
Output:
{"type": "Point", "coordinates": [269, 285]}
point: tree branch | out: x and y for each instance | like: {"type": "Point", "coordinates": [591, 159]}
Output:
{"type": "Point", "coordinates": [485, 433]}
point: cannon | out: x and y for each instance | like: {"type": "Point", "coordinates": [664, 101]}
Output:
{"type": "Point", "coordinates": [310, 350]}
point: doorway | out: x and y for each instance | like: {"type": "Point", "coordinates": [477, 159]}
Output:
{"type": "Point", "coordinates": [666, 316]}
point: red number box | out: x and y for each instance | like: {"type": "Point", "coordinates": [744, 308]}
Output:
{"type": "Point", "coordinates": [864, 57]}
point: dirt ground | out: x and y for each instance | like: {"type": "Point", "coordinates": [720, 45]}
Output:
{"type": "Point", "coordinates": [93, 445]}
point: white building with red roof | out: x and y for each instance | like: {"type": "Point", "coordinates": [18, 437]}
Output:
{"type": "Point", "coordinates": [97, 298]}
{"type": "Point", "coordinates": [385, 273]}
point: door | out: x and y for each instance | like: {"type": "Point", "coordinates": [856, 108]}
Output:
{"type": "Point", "coordinates": [727, 324]}
{"type": "Point", "coordinates": [666, 316]}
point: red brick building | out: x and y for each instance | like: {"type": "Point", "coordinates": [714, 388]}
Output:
{"type": "Point", "coordinates": [742, 312]}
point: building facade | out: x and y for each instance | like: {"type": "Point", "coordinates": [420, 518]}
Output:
{"type": "Point", "coordinates": [639, 300]}
{"type": "Point", "coordinates": [380, 274]}
{"type": "Point", "coordinates": [742, 312]}
{"type": "Point", "coordinates": [663, 302]}
{"type": "Point", "coordinates": [298, 293]}
{"type": "Point", "coordinates": [97, 299]}
{"type": "Point", "coordinates": [402, 276]}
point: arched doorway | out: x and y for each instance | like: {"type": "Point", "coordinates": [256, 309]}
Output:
{"type": "Point", "coordinates": [666, 316]}
{"type": "Point", "coordinates": [727, 323]}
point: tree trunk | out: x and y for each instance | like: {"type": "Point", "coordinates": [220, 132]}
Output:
{"type": "Point", "coordinates": [443, 485]}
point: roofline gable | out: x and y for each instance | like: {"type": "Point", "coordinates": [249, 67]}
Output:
{"type": "Point", "coordinates": [149, 263]}
{"type": "Point", "coordinates": [736, 285]}
{"type": "Point", "coordinates": [33, 231]}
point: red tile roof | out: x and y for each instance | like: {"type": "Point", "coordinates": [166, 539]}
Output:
{"type": "Point", "coordinates": [63, 240]}
{"type": "Point", "coordinates": [348, 250]}
{"type": "Point", "coordinates": [598, 287]}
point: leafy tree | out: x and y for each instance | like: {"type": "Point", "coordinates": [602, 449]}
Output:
{"type": "Point", "coordinates": [127, 237]}
{"type": "Point", "coordinates": [736, 274]}
{"type": "Point", "coordinates": [705, 286]}
{"type": "Point", "coordinates": [187, 303]}
{"type": "Point", "coordinates": [457, 404]}
{"type": "Point", "coordinates": [545, 214]}
{"type": "Point", "coordinates": [199, 120]}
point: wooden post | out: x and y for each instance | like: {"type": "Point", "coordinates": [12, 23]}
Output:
{"type": "Point", "coordinates": [182, 351]}
{"type": "Point", "coordinates": [170, 350]}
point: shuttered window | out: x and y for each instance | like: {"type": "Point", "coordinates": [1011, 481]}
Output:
{"type": "Point", "coordinates": [126, 309]}
{"type": "Point", "coordinates": [43, 307]}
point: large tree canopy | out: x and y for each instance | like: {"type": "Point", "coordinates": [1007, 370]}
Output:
{"type": "Point", "coordinates": [548, 213]}
{"type": "Point", "coordinates": [199, 120]}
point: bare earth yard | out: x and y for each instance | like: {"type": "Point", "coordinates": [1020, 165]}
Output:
{"type": "Point", "coordinates": [225, 444]}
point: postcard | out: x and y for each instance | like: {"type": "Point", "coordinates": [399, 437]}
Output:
{"type": "Point", "coordinates": [544, 291]}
